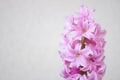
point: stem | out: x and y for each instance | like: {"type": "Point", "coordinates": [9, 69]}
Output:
{"type": "Point", "coordinates": [83, 43]}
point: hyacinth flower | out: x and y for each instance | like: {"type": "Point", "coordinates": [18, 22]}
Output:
{"type": "Point", "coordinates": [82, 47]}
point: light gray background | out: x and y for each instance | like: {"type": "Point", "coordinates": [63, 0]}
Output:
{"type": "Point", "coordinates": [30, 35]}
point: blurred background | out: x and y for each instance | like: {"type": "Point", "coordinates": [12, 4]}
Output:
{"type": "Point", "coordinates": [30, 35]}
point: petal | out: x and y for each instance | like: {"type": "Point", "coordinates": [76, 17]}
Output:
{"type": "Point", "coordinates": [78, 48]}
{"type": "Point", "coordinates": [83, 61]}
{"type": "Point", "coordinates": [74, 43]}
{"type": "Point", "coordinates": [83, 77]}
{"type": "Point", "coordinates": [93, 76]}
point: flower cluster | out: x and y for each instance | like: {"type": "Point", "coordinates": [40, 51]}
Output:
{"type": "Point", "coordinates": [82, 47]}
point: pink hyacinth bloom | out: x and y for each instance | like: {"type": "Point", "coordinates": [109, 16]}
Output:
{"type": "Point", "coordinates": [82, 47]}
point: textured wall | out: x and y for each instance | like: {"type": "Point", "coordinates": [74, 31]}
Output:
{"type": "Point", "coordinates": [30, 34]}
